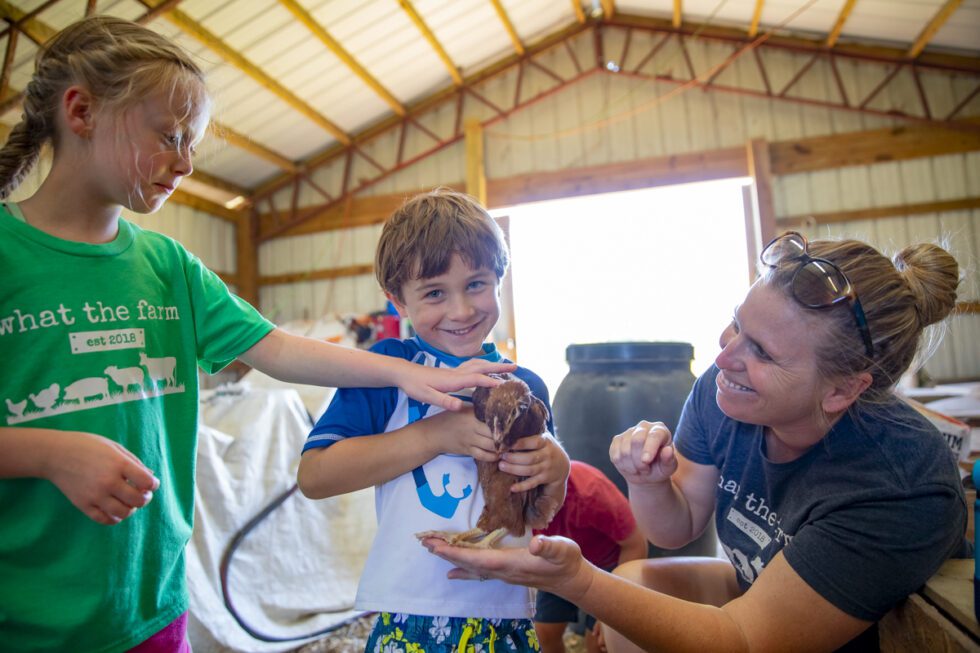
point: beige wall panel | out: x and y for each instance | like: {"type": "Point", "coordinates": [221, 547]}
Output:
{"type": "Point", "coordinates": [607, 118]}
{"type": "Point", "coordinates": [886, 184]}
{"type": "Point", "coordinates": [310, 299]}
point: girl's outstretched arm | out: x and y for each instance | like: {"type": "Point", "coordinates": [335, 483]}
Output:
{"type": "Point", "coordinates": [299, 359]}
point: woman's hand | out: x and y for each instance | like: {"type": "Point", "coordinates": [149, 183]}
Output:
{"type": "Point", "coordinates": [554, 564]}
{"type": "Point", "coordinates": [644, 454]}
{"type": "Point", "coordinates": [459, 432]}
{"type": "Point", "coordinates": [430, 385]}
{"type": "Point", "coordinates": [100, 477]}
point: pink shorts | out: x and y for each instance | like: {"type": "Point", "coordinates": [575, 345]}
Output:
{"type": "Point", "coordinates": [172, 639]}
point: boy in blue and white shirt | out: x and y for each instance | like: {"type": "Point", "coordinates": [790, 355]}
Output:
{"type": "Point", "coordinates": [440, 260]}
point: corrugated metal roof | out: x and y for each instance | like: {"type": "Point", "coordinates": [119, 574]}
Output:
{"type": "Point", "coordinates": [321, 100]}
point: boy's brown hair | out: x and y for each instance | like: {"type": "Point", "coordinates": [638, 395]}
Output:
{"type": "Point", "coordinates": [419, 239]}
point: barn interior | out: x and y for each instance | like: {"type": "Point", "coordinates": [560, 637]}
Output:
{"type": "Point", "coordinates": [679, 135]}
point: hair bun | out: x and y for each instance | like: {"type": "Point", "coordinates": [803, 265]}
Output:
{"type": "Point", "coordinates": [932, 274]}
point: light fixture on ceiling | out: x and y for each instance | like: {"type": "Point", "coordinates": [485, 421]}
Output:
{"type": "Point", "coordinates": [235, 202]}
{"type": "Point", "coordinates": [612, 66]}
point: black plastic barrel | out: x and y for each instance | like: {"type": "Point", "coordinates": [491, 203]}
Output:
{"type": "Point", "coordinates": [610, 387]}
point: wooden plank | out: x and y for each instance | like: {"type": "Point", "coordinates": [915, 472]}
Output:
{"type": "Point", "coordinates": [627, 175]}
{"type": "Point", "coordinates": [756, 17]}
{"type": "Point", "coordinates": [930, 30]}
{"type": "Point", "coordinates": [967, 308]}
{"type": "Point", "coordinates": [429, 36]}
{"type": "Point", "coordinates": [247, 260]}
{"type": "Point", "coordinates": [760, 169]}
{"type": "Point", "coordinates": [232, 56]}
{"type": "Point", "coordinates": [314, 275]}
{"type": "Point", "coordinates": [914, 625]}
{"type": "Point", "coordinates": [874, 146]}
{"type": "Point", "coordinates": [951, 590]}
{"type": "Point", "coordinates": [874, 213]}
{"type": "Point", "coordinates": [842, 17]}
{"type": "Point", "coordinates": [303, 16]}
{"type": "Point", "coordinates": [213, 208]}
{"type": "Point", "coordinates": [476, 175]}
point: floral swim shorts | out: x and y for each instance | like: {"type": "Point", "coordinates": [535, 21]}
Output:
{"type": "Point", "coordinates": [394, 633]}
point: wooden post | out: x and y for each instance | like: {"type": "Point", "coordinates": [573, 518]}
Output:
{"type": "Point", "coordinates": [476, 175]}
{"type": "Point", "coordinates": [763, 227]}
{"type": "Point", "coordinates": [247, 255]}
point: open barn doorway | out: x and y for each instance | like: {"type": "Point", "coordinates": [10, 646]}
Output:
{"type": "Point", "coordinates": [656, 264]}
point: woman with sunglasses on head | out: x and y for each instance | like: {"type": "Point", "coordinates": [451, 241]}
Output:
{"type": "Point", "coordinates": [833, 499]}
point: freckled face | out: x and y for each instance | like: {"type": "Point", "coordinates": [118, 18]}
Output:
{"type": "Point", "coordinates": [454, 312]}
{"type": "Point", "coordinates": [146, 151]}
{"type": "Point", "coordinates": [769, 368]}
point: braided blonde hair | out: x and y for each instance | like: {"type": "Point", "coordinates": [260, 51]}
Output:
{"type": "Point", "coordinates": [120, 62]}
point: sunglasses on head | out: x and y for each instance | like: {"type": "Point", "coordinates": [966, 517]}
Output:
{"type": "Point", "coordinates": [817, 283]}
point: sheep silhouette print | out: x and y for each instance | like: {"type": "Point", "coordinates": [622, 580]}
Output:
{"type": "Point", "coordinates": [139, 379]}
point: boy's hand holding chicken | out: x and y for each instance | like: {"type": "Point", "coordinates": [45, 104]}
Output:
{"type": "Point", "coordinates": [522, 476]}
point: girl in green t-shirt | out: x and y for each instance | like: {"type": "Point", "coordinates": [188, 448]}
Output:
{"type": "Point", "coordinates": [102, 325]}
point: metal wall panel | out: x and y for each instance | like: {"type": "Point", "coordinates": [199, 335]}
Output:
{"type": "Point", "coordinates": [902, 182]}
{"type": "Point", "coordinates": [610, 118]}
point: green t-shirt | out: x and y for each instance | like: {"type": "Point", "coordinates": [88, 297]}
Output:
{"type": "Point", "coordinates": [104, 339]}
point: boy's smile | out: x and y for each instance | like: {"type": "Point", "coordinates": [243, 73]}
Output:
{"type": "Point", "coordinates": [455, 311]}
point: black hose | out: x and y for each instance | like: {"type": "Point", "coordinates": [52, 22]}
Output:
{"type": "Point", "coordinates": [226, 563]}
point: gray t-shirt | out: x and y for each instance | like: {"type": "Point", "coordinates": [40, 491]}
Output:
{"type": "Point", "coordinates": [865, 517]}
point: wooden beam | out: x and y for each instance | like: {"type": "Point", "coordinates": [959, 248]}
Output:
{"type": "Point", "coordinates": [756, 17]}
{"type": "Point", "coordinates": [341, 53]}
{"type": "Point", "coordinates": [357, 212]}
{"type": "Point", "coordinates": [608, 8]}
{"type": "Point", "coordinates": [842, 17]}
{"type": "Point", "coordinates": [35, 29]}
{"type": "Point", "coordinates": [577, 8]}
{"type": "Point", "coordinates": [930, 30]}
{"type": "Point", "coordinates": [967, 308]}
{"type": "Point", "coordinates": [737, 35]}
{"type": "Point", "coordinates": [230, 279]}
{"type": "Point", "coordinates": [317, 275]}
{"type": "Point", "coordinates": [242, 142]}
{"type": "Point", "coordinates": [433, 41]}
{"type": "Point", "coordinates": [476, 175]}
{"type": "Point", "coordinates": [8, 62]}
{"type": "Point", "coordinates": [449, 93]}
{"type": "Point", "coordinates": [247, 259]}
{"type": "Point", "coordinates": [232, 56]}
{"type": "Point", "coordinates": [868, 147]}
{"type": "Point", "coordinates": [876, 212]}
{"type": "Point", "coordinates": [509, 26]}
{"type": "Point", "coordinates": [678, 14]}
{"type": "Point", "coordinates": [212, 208]}
{"type": "Point", "coordinates": [221, 184]}
{"type": "Point", "coordinates": [626, 175]}
{"type": "Point", "coordinates": [760, 169]}
{"type": "Point", "coordinates": [748, 216]}
{"type": "Point", "coordinates": [786, 157]}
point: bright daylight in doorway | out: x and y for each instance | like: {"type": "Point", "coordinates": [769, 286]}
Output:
{"type": "Point", "coordinates": [659, 264]}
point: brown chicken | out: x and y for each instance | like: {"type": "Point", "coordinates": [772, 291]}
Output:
{"type": "Point", "coordinates": [511, 412]}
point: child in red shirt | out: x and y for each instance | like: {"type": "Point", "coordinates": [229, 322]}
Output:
{"type": "Point", "coordinates": [598, 518]}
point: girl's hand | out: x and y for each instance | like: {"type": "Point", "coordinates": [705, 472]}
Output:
{"type": "Point", "coordinates": [539, 458]}
{"type": "Point", "coordinates": [459, 432]}
{"type": "Point", "coordinates": [100, 477]}
{"type": "Point", "coordinates": [430, 384]}
{"type": "Point", "coordinates": [644, 454]}
{"type": "Point", "coordinates": [553, 564]}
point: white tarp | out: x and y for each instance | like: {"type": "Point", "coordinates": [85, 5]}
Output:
{"type": "Point", "coordinates": [297, 571]}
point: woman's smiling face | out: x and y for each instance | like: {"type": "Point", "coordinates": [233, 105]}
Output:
{"type": "Point", "coordinates": [769, 368]}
